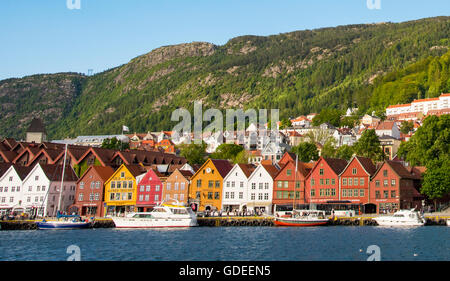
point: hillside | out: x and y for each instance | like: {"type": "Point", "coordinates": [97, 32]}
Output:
{"type": "Point", "coordinates": [297, 72]}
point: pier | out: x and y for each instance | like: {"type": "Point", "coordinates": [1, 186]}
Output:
{"type": "Point", "coordinates": [226, 221]}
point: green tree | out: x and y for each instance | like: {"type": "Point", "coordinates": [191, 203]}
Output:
{"type": "Point", "coordinates": [227, 151]}
{"type": "Point", "coordinates": [369, 146]}
{"type": "Point", "coordinates": [344, 152]}
{"type": "Point", "coordinates": [114, 143]}
{"type": "Point", "coordinates": [306, 151]}
{"type": "Point", "coordinates": [430, 142]}
{"type": "Point", "coordinates": [329, 148]}
{"type": "Point", "coordinates": [406, 127]}
{"type": "Point", "coordinates": [436, 180]}
{"type": "Point", "coordinates": [194, 153]}
{"type": "Point", "coordinates": [285, 123]}
{"type": "Point", "coordinates": [328, 115]}
{"type": "Point", "coordinates": [241, 158]}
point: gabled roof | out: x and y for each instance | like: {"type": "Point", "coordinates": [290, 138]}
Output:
{"type": "Point", "coordinates": [365, 162]}
{"type": "Point", "coordinates": [386, 125]}
{"type": "Point", "coordinates": [54, 172]}
{"type": "Point", "coordinates": [398, 169]}
{"type": "Point", "coordinates": [8, 156]}
{"type": "Point", "coordinates": [103, 172]}
{"type": "Point", "coordinates": [4, 167]}
{"type": "Point", "coordinates": [271, 169]}
{"type": "Point", "coordinates": [36, 126]}
{"type": "Point", "coordinates": [136, 170]}
{"type": "Point", "coordinates": [337, 165]}
{"type": "Point", "coordinates": [247, 169]}
{"type": "Point", "coordinates": [222, 166]}
{"type": "Point", "coordinates": [22, 171]}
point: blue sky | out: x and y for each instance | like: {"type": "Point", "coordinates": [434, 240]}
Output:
{"type": "Point", "coordinates": [44, 36]}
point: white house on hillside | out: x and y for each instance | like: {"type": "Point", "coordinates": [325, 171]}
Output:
{"type": "Point", "coordinates": [260, 188]}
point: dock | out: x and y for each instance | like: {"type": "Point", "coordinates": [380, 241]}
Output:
{"type": "Point", "coordinates": [229, 221]}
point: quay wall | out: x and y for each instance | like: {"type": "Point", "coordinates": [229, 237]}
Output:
{"type": "Point", "coordinates": [227, 222]}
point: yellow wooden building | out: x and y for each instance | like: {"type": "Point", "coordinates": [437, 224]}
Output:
{"type": "Point", "coordinates": [120, 190]}
{"type": "Point", "coordinates": [207, 185]}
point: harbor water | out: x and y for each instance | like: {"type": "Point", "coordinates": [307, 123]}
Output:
{"type": "Point", "coordinates": [330, 243]}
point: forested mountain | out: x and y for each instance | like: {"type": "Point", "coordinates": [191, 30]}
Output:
{"type": "Point", "coordinates": [370, 65]}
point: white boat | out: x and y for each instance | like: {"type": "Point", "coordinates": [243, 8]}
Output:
{"type": "Point", "coordinates": [302, 218]}
{"type": "Point", "coordinates": [163, 215]}
{"type": "Point", "coordinates": [402, 218]}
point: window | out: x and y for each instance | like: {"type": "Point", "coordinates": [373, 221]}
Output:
{"type": "Point", "coordinates": [156, 197]}
{"type": "Point", "coordinates": [393, 195]}
{"type": "Point", "coordinates": [260, 185]}
{"type": "Point", "coordinates": [313, 182]}
{"type": "Point", "coordinates": [361, 192]}
{"type": "Point", "coordinates": [333, 182]}
{"type": "Point", "coordinates": [36, 178]}
{"type": "Point", "coordinates": [122, 174]}
{"type": "Point", "coordinates": [97, 196]}
{"type": "Point", "coordinates": [141, 197]}
{"type": "Point", "coordinates": [286, 184]}
{"type": "Point", "coordinates": [117, 196]}
{"type": "Point", "coordinates": [119, 184]}
{"type": "Point", "coordinates": [147, 188]}
{"type": "Point", "coordinates": [350, 181]}
{"type": "Point", "coordinates": [377, 183]}
{"type": "Point", "coordinates": [142, 188]}
{"type": "Point", "coordinates": [6, 189]}
{"type": "Point", "coordinates": [182, 185]}
{"type": "Point", "coordinates": [1, 188]}
{"type": "Point", "coordinates": [157, 187]}
{"type": "Point", "coordinates": [216, 195]}
{"type": "Point", "coordinates": [260, 196]}
{"type": "Point", "coordinates": [355, 192]}
{"type": "Point", "coordinates": [80, 196]}
{"type": "Point", "coordinates": [217, 184]}
{"type": "Point", "coordinates": [91, 197]}
{"type": "Point", "coordinates": [210, 184]}
{"type": "Point", "coordinates": [168, 185]}
{"type": "Point", "coordinates": [385, 183]}
{"type": "Point", "coordinates": [313, 192]}
{"type": "Point", "coordinates": [266, 185]}
{"type": "Point", "coordinates": [321, 181]}
{"type": "Point", "coordinates": [350, 192]}
{"type": "Point", "coordinates": [82, 185]}
{"type": "Point", "coordinates": [354, 171]}
{"type": "Point", "coordinates": [321, 172]}
{"type": "Point", "coordinates": [181, 197]}
{"type": "Point", "coordinates": [288, 172]}
{"type": "Point", "coordinates": [385, 194]}
{"type": "Point", "coordinates": [279, 194]}
{"type": "Point", "coordinates": [176, 186]}
{"type": "Point", "coordinates": [344, 192]}
{"type": "Point", "coordinates": [228, 184]}
{"type": "Point", "coordinates": [97, 185]}
{"type": "Point", "coordinates": [13, 188]}
{"type": "Point", "coordinates": [385, 173]}
{"type": "Point", "coordinates": [253, 185]}
{"type": "Point", "coordinates": [233, 184]}
{"type": "Point", "coordinates": [197, 195]}
{"type": "Point", "coordinates": [252, 196]}
{"type": "Point", "coordinates": [241, 184]}
{"type": "Point", "coordinates": [327, 181]}
{"type": "Point", "coordinates": [266, 196]}
{"type": "Point", "coordinates": [227, 195]}
{"type": "Point", "coordinates": [279, 184]}
{"type": "Point", "coordinates": [393, 182]}
{"type": "Point", "coordinates": [199, 183]}
{"type": "Point", "coordinates": [18, 188]}
{"type": "Point", "coordinates": [333, 192]}
{"type": "Point", "coordinates": [241, 195]}
{"type": "Point", "coordinates": [232, 195]}
{"type": "Point", "coordinates": [11, 199]}
{"type": "Point", "coordinates": [92, 184]}
{"type": "Point", "coordinates": [321, 193]}
{"type": "Point", "coordinates": [30, 188]}
{"type": "Point", "coordinates": [111, 196]}
{"type": "Point", "coordinates": [327, 192]}
{"type": "Point", "coordinates": [344, 181]}
{"type": "Point", "coordinates": [210, 195]}
{"type": "Point", "coordinates": [361, 181]}
{"type": "Point", "coordinates": [130, 184]}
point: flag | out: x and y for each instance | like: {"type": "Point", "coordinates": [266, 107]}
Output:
{"type": "Point", "coordinates": [125, 128]}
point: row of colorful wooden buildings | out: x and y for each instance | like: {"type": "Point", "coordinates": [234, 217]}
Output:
{"type": "Point", "coordinates": [102, 182]}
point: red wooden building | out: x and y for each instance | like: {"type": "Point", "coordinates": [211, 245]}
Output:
{"type": "Point", "coordinates": [288, 184]}
{"type": "Point", "coordinates": [90, 189]}
{"type": "Point", "coordinates": [149, 191]}
{"type": "Point", "coordinates": [395, 187]}
{"type": "Point", "coordinates": [355, 182]}
{"type": "Point", "coordinates": [322, 183]}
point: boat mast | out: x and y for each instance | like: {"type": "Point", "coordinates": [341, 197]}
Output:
{"type": "Point", "coordinates": [62, 178]}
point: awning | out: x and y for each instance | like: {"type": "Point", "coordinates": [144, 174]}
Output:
{"type": "Point", "coordinates": [258, 204]}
